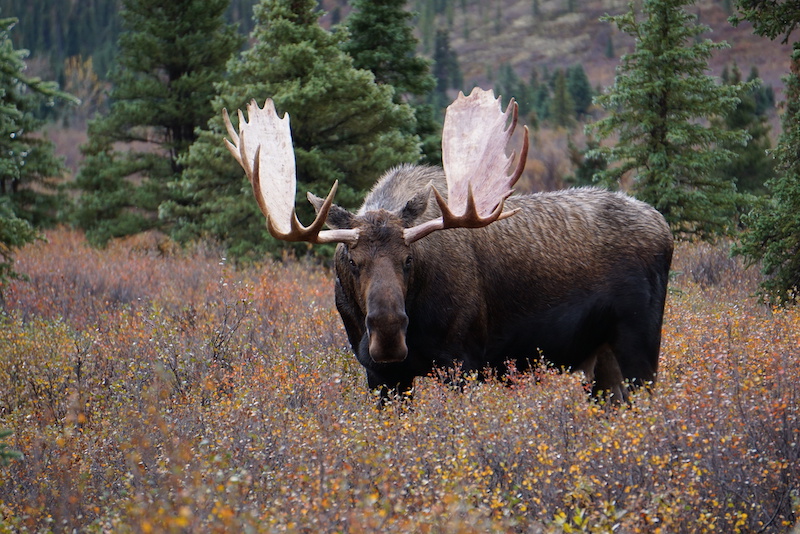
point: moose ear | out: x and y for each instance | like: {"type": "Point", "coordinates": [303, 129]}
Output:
{"type": "Point", "coordinates": [338, 217]}
{"type": "Point", "coordinates": [415, 207]}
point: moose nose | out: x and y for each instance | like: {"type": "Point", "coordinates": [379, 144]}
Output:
{"type": "Point", "coordinates": [387, 337]}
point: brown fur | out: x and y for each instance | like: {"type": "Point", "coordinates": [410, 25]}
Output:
{"type": "Point", "coordinates": [579, 274]}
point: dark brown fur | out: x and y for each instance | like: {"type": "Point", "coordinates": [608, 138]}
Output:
{"type": "Point", "coordinates": [579, 276]}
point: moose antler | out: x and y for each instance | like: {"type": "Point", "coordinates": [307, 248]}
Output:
{"type": "Point", "coordinates": [263, 147]}
{"type": "Point", "coordinates": [475, 164]}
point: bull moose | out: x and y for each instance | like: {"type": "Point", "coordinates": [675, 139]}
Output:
{"type": "Point", "coordinates": [578, 276]}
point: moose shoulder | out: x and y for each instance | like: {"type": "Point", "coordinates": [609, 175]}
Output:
{"type": "Point", "coordinates": [579, 276]}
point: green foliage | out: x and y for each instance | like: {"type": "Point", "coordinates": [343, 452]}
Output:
{"type": "Point", "coordinates": [562, 106]}
{"type": "Point", "coordinates": [382, 41]}
{"type": "Point", "coordinates": [59, 30]}
{"type": "Point", "coordinates": [508, 85]}
{"type": "Point", "coordinates": [773, 236]}
{"type": "Point", "coordinates": [610, 53]}
{"type": "Point", "coordinates": [770, 18]}
{"type": "Point", "coordinates": [344, 126]}
{"type": "Point", "coordinates": [752, 166]}
{"type": "Point", "coordinates": [579, 89]}
{"type": "Point", "coordinates": [170, 56]}
{"type": "Point", "coordinates": [560, 99]}
{"type": "Point", "coordinates": [28, 168]}
{"type": "Point", "coordinates": [446, 69]}
{"type": "Point", "coordinates": [587, 163]}
{"type": "Point", "coordinates": [657, 108]}
{"type": "Point", "coordinates": [6, 453]}
{"type": "Point", "coordinates": [14, 234]}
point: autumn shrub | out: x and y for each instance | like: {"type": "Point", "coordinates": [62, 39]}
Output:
{"type": "Point", "coordinates": [214, 399]}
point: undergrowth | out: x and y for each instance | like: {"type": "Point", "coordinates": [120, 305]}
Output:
{"type": "Point", "coordinates": [174, 393]}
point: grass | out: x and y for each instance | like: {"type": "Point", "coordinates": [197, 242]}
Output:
{"type": "Point", "coordinates": [174, 393]}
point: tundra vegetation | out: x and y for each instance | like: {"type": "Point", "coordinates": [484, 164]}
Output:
{"type": "Point", "coordinates": [170, 392]}
{"type": "Point", "coordinates": [150, 388]}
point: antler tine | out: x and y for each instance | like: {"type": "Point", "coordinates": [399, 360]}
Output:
{"type": "Point", "coordinates": [476, 166]}
{"type": "Point", "coordinates": [271, 171]}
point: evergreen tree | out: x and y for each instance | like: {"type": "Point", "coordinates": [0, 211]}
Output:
{"type": "Point", "coordinates": [445, 69]}
{"type": "Point", "coordinates": [539, 97]}
{"type": "Point", "coordinates": [610, 53]}
{"type": "Point", "coordinates": [382, 41]}
{"type": "Point", "coordinates": [763, 95]}
{"type": "Point", "coordinates": [171, 53]}
{"type": "Point", "coordinates": [344, 126]}
{"type": "Point", "coordinates": [6, 453]}
{"type": "Point", "coordinates": [587, 163]}
{"type": "Point", "coordinates": [657, 105]}
{"type": "Point", "coordinates": [773, 236]}
{"type": "Point", "coordinates": [562, 107]}
{"type": "Point", "coordinates": [28, 169]}
{"type": "Point", "coordinates": [580, 89]}
{"type": "Point", "coordinates": [509, 85]}
{"type": "Point", "coordinates": [752, 166]}
{"type": "Point", "coordinates": [28, 165]}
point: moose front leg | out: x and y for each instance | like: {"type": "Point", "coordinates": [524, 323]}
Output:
{"type": "Point", "coordinates": [390, 388]}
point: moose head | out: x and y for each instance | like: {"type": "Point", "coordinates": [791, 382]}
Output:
{"type": "Point", "coordinates": [378, 244]}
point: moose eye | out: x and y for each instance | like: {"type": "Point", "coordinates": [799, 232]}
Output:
{"type": "Point", "coordinates": [353, 265]}
{"type": "Point", "coordinates": [409, 261]}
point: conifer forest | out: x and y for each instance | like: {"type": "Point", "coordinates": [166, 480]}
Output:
{"type": "Point", "coordinates": [167, 365]}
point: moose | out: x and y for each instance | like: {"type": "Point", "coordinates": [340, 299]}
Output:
{"type": "Point", "coordinates": [445, 267]}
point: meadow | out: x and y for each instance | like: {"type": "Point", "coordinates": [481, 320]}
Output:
{"type": "Point", "coordinates": [157, 390]}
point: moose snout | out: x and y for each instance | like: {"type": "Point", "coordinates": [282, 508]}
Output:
{"type": "Point", "coordinates": [387, 336]}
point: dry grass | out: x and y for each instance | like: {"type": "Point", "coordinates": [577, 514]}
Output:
{"type": "Point", "coordinates": [153, 393]}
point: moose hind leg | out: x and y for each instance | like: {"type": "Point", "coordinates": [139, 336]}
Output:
{"type": "Point", "coordinates": [607, 375]}
{"type": "Point", "coordinates": [636, 348]}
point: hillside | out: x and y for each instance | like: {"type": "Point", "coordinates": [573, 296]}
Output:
{"type": "Point", "coordinates": [560, 39]}
{"type": "Point", "coordinates": [483, 34]}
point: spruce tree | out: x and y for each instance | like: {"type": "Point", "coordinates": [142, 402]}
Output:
{"type": "Point", "coordinates": [446, 69]}
{"type": "Point", "coordinates": [28, 168]}
{"type": "Point", "coordinates": [580, 89]}
{"type": "Point", "coordinates": [539, 97]}
{"type": "Point", "coordinates": [657, 107]}
{"type": "Point", "coordinates": [170, 55]}
{"type": "Point", "coordinates": [381, 40]}
{"type": "Point", "coordinates": [773, 236]}
{"type": "Point", "coordinates": [344, 126]}
{"type": "Point", "coordinates": [509, 85]}
{"type": "Point", "coordinates": [587, 162]}
{"type": "Point", "coordinates": [752, 166]}
{"type": "Point", "coordinates": [562, 107]}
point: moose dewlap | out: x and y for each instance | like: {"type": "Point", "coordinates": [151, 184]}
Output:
{"type": "Point", "coordinates": [578, 276]}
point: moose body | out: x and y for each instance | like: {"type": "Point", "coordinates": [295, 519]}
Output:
{"type": "Point", "coordinates": [578, 276]}
{"type": "Point", "coordinates": [433, 270]}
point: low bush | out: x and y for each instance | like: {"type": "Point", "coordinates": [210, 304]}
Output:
{"type": "Point", "coordinates": [152, 393]}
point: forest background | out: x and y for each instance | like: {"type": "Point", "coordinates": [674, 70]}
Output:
{"type": "Point", "coordinates": [149, 387]}
{"type": "Point", "coordinates": [488, 39]}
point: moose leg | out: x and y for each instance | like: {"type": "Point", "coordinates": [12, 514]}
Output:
{"type": "Point", "coordinates": [390, 388]}
{"type": "Point", "coordinates": [636, 348]}
{"type": "Point", "coordinates": [608, 377]}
